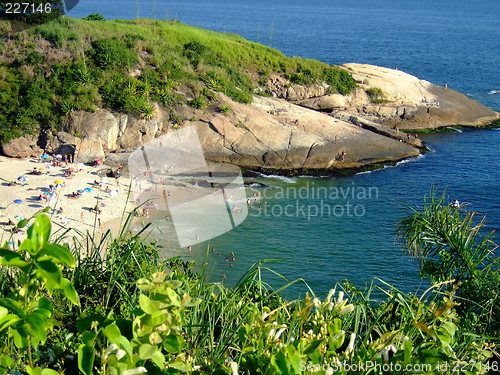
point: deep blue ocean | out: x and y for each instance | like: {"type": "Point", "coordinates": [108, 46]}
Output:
{"type": "Point", "coordinates": [453, 41]}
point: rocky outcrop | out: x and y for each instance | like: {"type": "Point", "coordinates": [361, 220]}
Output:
{"type": "Point", "coordinates": [299, 129]}
{"type": "Point", "coordinates": [410, 103]}
{"type": "Point", "coordinates": [274, 134]}
{"type": "Point", "coordinates": [23, 147]}
{"type": "Point", "coordinates": [101, 126]}
{"type": "Point", "coordinates": [102, 132]}
{"type": "Point", "coordinates": [282, 88]}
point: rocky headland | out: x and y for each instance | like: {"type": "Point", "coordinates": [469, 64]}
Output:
{"type": "Point", "coordinates": [292, 129]}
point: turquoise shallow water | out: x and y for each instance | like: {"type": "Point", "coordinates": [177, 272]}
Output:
{"type": "Point", "coordinates": [453, 41]}
{"type": "Point", "coordinates": [325, 230]}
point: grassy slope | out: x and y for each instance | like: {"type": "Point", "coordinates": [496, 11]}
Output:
{"type": "Point", "coordinates": [55, 68]}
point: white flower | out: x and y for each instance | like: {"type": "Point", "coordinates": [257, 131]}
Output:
{"type": "Point", "coordinates": [346, 309]}
{"type": "Point", "coordinates": [387, 350]}
{"type": "Point", "coordinates": [137, 370]}
{"type": "Point", "coordinates": [111, 349]}
{"type": "Point", "coordinates": [340, 298]}
{"type": "Point", "coordinates": [278, 334]}
{"type": "Point", "coordinates": [316, 302]}
{"type": "Point", "coordinates": [350, 347]}
{"type": "Point", "coordinates": [120, 354]}
{"type": "Point", "coordinates": [341, 333]}
{"type": "Point", "coordinates": [330, 295]}
{"type": "Point", "coordinates": [234, 367]}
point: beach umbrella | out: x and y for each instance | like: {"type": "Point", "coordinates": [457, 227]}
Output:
{"type": "Point", "coordinates": [45, 156]}
{"type": "Point", "coordinates": [18, 201]}
{"type": "Point", "coordinates": [22, 178]}
{"type": "Point", "coordinates": [17, 217]}
{"type": "Point", "coordinates": [103, 204]}
{"type": "Point", "coordinates": [58, 182]}
{"type": "Point", "coordinates": [88, 190]}
{"type": "Point", "coordinates": [80, 191]}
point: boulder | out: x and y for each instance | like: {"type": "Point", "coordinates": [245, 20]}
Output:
{"type": "Point", "coordinates": [101, 125]}
{"type": "Point", "coordinates": [280, 87]}
{"type": "Point", "coordinates": [22, 147]}
{"type": "Point", "coordinates": [69, 139]}
{"type": "Point", "coordinates": [90, 150]}
{"type": "Point", "coordinates": [326, 102]}
{"type": "Point", "coordinates": [134, 131]}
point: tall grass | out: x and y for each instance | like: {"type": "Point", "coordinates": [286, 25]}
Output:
{"type": "Point", "coordinates": [249, 328]}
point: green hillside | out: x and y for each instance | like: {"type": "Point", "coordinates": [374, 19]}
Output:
{"type": "Point", "coordinates": [71, 64]}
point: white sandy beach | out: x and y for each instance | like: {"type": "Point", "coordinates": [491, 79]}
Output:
{"type": "Point", "coordinates": [22, 201]}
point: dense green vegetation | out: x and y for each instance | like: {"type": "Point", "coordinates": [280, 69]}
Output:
{"type": "Point", "coordinates": [131, 313]}
{"type": "Point", "coordinates": [70, 64]}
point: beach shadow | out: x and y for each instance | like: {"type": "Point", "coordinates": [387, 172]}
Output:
{"type": "Point", "coordinates": [35, 205]}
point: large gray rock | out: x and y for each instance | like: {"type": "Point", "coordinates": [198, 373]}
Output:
{"type": "Point", "coordinates": [412, 103]}
{"type": "Point", "coordinates": [101, 125]}
{"type": "Point", "coordinates": [282, 88]}
{"type": "Point", "coordinates": [326, 102]}
{"type": "Point", "coordinates": [22, 147]}
{"type": "Point", "coordinates": [90, 150]}
{"type": "Point", "coordinates": [272, 133]}
{"type": "Point", "coordinates": [134, 131]}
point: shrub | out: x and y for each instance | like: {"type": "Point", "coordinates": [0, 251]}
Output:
{"type": "Point", "coordinates": [339, 80]}
{"type": "Point", "coordinates": [94, 17]}
{"type": "Point", "coordinates": [449, 244]}
{"type": "Point", "coordinates": [375, 92]}
{"type": "Point", "coordinates": [210, 95]}
{"type": "Point", "coordinates": [34, 58]}
{"type": "Point", "coordinates": [224, 109]}
{"type": "Point", "coordinates": [199, 102]}
{"type": "Point", "coordinates": [112, 53]}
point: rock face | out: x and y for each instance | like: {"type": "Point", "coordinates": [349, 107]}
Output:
{"type": "Point", "coordinates": [103, 132]}
{"type": "Point", "coordinates": [23, 147]}
{"type": "Point", "coordinates": [274, 134]}
{"type": "Point", "coordinates": [299, 129]}
{"type": "Point", "coordinates": [410, 103]}
{"type": "Point", "coordinates": [282, 88]}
